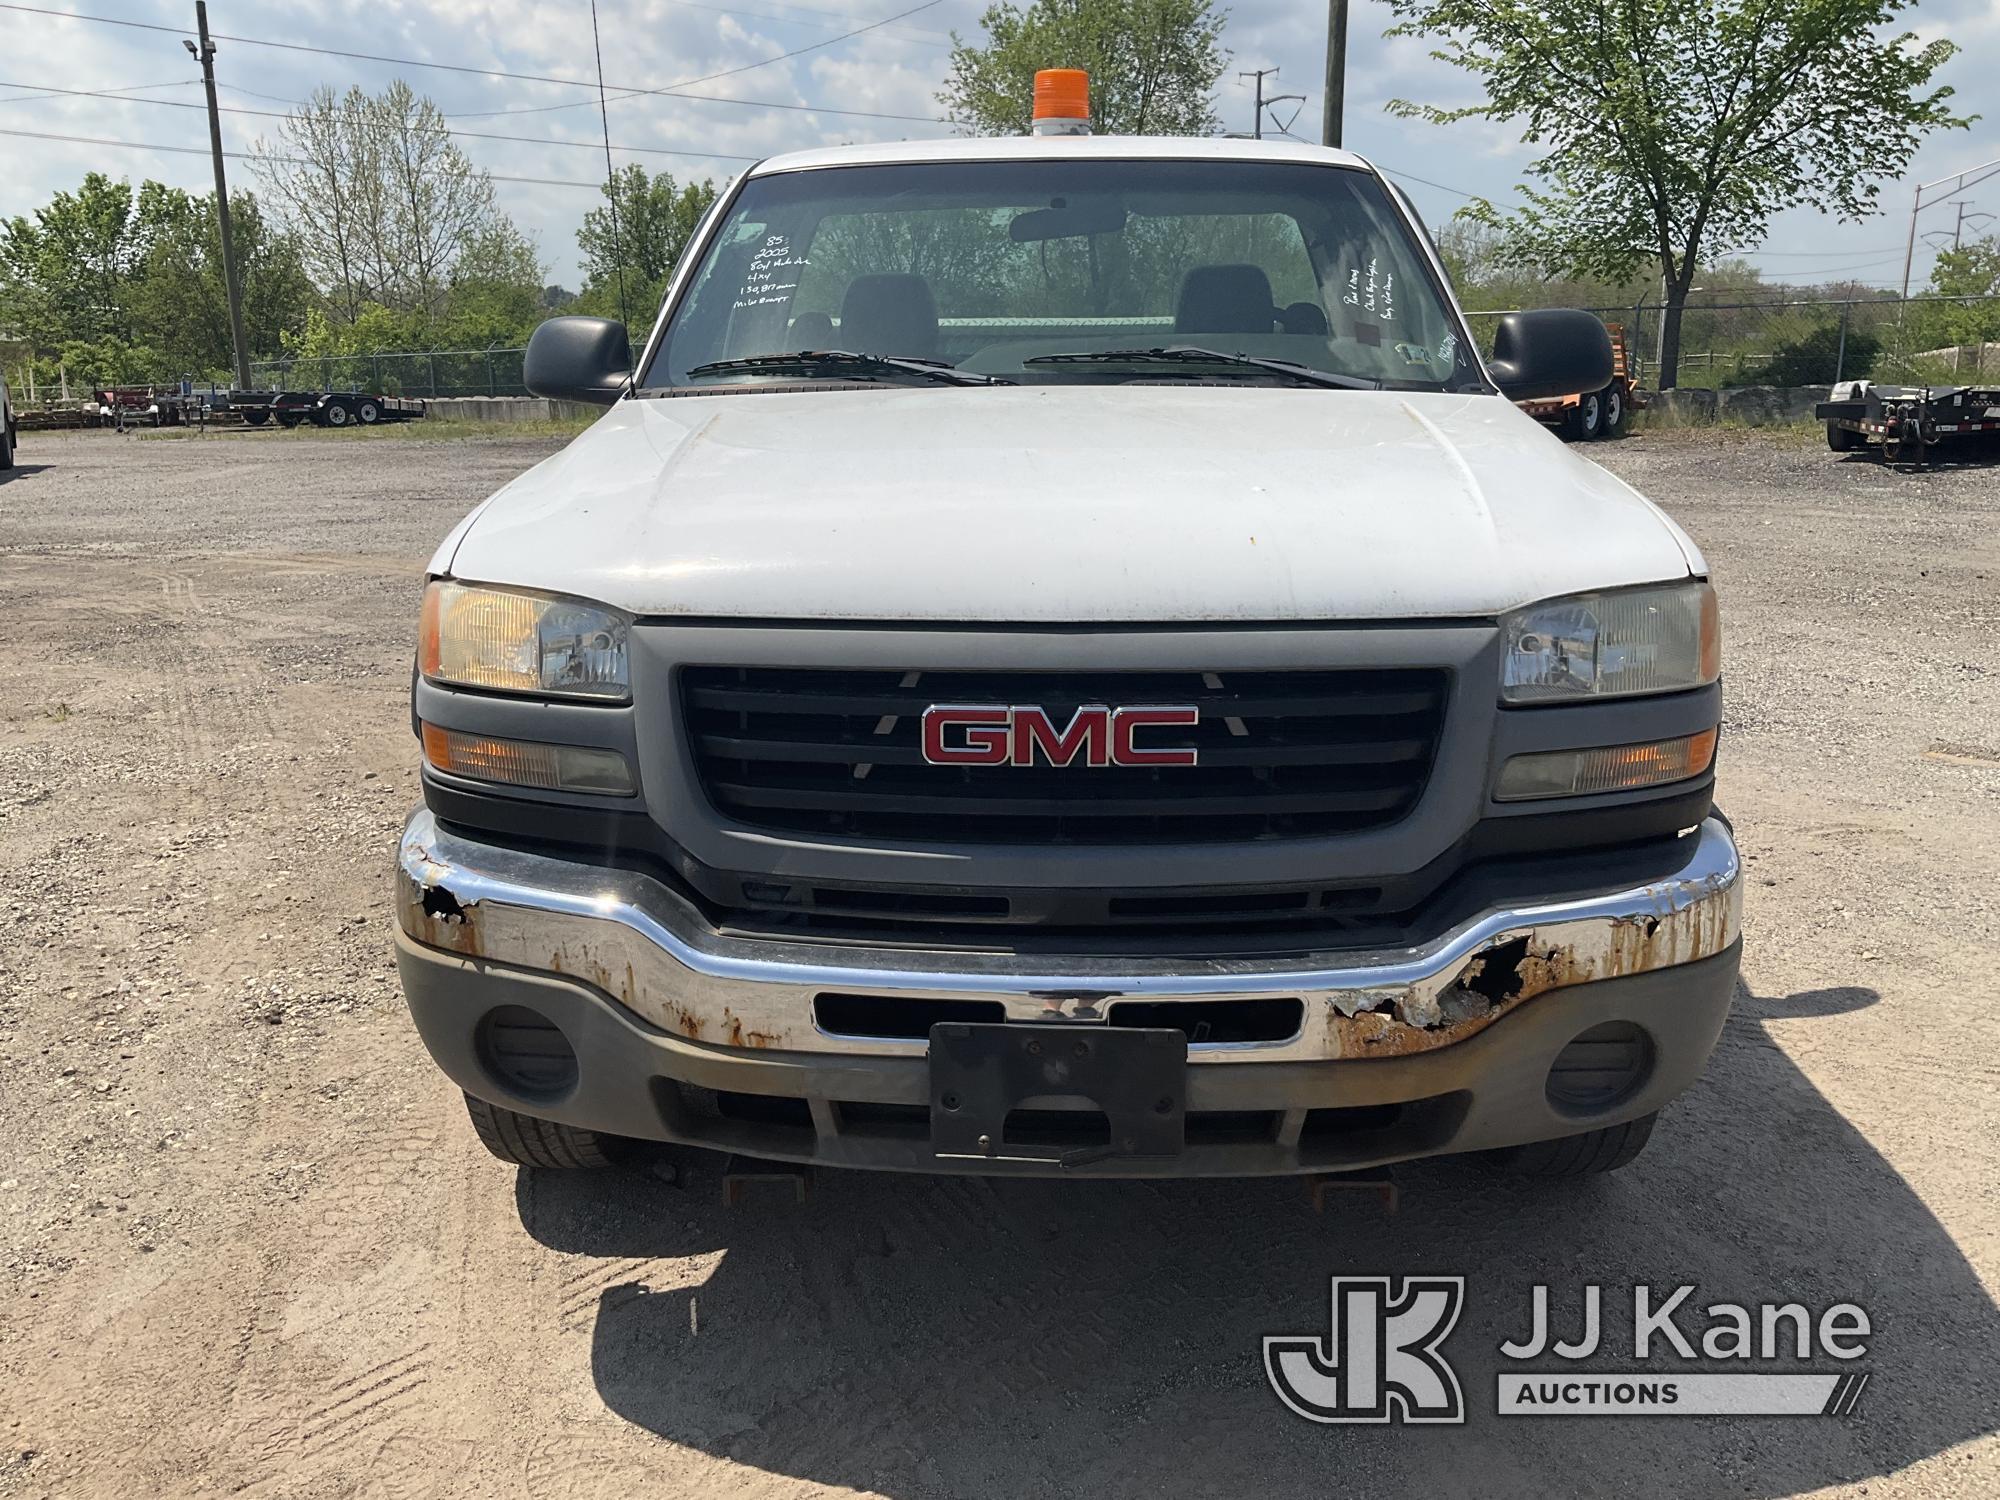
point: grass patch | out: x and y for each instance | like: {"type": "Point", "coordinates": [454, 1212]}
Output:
{"type": "Point", "coordinates": [1804, 434]}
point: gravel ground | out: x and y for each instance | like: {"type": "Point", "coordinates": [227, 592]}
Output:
{"type": "Point", "coordinates": [249, 1244]}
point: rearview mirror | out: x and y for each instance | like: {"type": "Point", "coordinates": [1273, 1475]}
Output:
{"type": "Point", "coordinates": [579, 359]}
{"type": "Point", "coordinates": [1068, 221]}
{"type": "Point", "coordinates": [1552, 352]}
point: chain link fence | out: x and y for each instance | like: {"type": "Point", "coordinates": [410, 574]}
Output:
{"type": "Point", "coordinates": [1724, 344]}
{"type": "Point", "coordinates": [1813, 341]}
{"type": "Point", "coordinates": [430, 372]}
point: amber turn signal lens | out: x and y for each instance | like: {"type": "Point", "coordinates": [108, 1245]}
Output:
{"type": "Point", "coordinates": [555, 768]}
{"type": "Point", "coordinates": [1614, 768]}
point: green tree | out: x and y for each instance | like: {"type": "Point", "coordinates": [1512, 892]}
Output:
{"type": "Point", "coordinates": [127, 287]}
{"type": "Point", "coordinates": [1815, 356]}
{"type": "Point", "coordinates": [495, 296]}
{"type": "Point", "coordinates": [64, 272]}
{"type": "Point", "coordinates": [176, 295]}
{"type": "Point", "coordinates": [1152, 64]}
{"type": "Point", "coordinates": [1971, 270]}
{"type": "Point", "coordinates": [1673, 130]}
{"type": "Point", "coordinates": [383, 203]}
{"type": "Point", "coordinates": [641, 230]}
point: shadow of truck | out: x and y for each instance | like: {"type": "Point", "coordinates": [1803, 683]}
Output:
{"type": "Point", "coordinates": [953, 1336]}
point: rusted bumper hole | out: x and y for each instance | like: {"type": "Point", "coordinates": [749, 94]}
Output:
{"type": "Point", "coordinates": [439, 902]}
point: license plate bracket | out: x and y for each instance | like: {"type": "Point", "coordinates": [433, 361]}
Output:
{"type": "Point", "coordinates": [980, 1072]}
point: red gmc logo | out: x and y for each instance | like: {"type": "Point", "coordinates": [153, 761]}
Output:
{"type": "Point", "coordinates": [988, 734]}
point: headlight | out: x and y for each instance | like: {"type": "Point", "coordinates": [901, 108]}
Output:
{"type": "Point", "coordinates": [1612, 645]}
{"type": "Point", "coordinates": [522, 643]}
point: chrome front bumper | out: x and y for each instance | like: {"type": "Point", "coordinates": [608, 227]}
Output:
{"type": "Point", "coordinates": [651, 952]}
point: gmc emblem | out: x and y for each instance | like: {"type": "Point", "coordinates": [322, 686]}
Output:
{"type": "Point", "coordinates": [988, 734]}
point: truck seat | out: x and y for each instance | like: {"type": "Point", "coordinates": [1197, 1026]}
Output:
{"type": "Point", "coordinates": [1225, 299]}
{"type": "Point", "coordinates": [895, 315]}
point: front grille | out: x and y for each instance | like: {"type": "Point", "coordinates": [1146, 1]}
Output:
{"type": "Point", "coordinates": [1283, 755]}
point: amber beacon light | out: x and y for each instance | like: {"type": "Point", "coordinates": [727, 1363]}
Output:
{"type": "Point", "coordinates": [1062, 102]}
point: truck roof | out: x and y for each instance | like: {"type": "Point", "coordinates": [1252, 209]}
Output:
{"type": "Point", "coordinates": [1058, 148]}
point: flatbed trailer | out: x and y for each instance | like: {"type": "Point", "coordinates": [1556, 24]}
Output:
{"type": "Point", "coordinates": [140, 406]}
{"type": "Point", "coordinates": [321, 408]}
{"type": "Point", "coordinates": [1906, 421]}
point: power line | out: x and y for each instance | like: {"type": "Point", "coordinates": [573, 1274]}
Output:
{"type": "Point", "coordinates": [620, 92]}
{"type": "Point", "coordinates": [296, 161]}
{"type": "Point", "coordinates": [801, 51]}
{"type": "Point", "coordinates": [1821, 255]}
{"type": "Point", "coordinates": [915, 34]}
{"type": "Point", "coordinates": [610, 176]}
{"type": "Point", "coordinates": [272, 114]}
{"type": "Point", "coordinates": [43, 91]}
{"type": "Point", "coordinates": [1443, 187]}
{"type": "Point", "coordinates": [413, 62]}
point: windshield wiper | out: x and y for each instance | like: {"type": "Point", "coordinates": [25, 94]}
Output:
{"type": "Point", "coordinates": [1188, 354]}
{"type": "Point", "coordinates": [838, 362]}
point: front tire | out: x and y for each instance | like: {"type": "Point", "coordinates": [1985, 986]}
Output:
{"type": "Point", "coordinates": [527, 1141]}
{"type": "Point", "coordinates": [337, 414]}
{"type": "Point", "coordinates": [1591, 1154]}
{"type": "Point", "coordinates": [6, 446]}
{"type": "Point", "coordinates": [1842, 439]}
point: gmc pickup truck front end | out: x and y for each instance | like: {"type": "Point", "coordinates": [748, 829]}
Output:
{"type": "Point", "coordinates": [1128, 697]}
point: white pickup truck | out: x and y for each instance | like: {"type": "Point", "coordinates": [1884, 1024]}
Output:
{"type": "Point", "coordinates": [1062, 657]}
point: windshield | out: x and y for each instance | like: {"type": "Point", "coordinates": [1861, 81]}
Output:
{"type": "Point", "coordinates": [992, 267]}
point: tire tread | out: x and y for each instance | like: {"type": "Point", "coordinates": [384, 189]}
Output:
{"type": "Point", "coordinates": [528, 1141]}
{"type": "Point", "coordinates": [1590, 1154]}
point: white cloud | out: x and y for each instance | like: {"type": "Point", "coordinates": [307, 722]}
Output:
{"type": "Point", "coordinates": [894, 69]}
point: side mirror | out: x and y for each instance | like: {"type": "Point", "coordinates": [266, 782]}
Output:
{"type": "Point", "coordinates": [1553, 352]}
{"type": "Point", "coordinates": [579, 359]}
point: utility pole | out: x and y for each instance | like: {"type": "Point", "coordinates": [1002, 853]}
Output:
{"type": "Point", "coordinates": [1336, 70]}
{"type": "Point", "coordinates": [205, 54]}
{"type": "Point", "coordinates": [1263, 104]}
{"type": "Point", "coordinates": [1257, 126]}
{"type": "Point", "coordinates": [1961, 182]}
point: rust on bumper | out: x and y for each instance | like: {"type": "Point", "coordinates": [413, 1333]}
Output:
{"type": "Point", "coordinates": [630, 938]}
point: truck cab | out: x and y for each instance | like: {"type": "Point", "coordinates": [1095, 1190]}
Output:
{"type": "Point", "coordinates": [1061, 657]}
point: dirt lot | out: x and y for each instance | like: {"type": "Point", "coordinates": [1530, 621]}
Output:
{"type": "Point", "coordinates": [250, 1245]}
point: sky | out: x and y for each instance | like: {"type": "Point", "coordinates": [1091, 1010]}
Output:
{"type": "Point", "coordinates": [722, 49]}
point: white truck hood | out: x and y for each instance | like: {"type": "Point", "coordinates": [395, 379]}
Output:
{"type": "Point", "coordinates": [1067, 504]}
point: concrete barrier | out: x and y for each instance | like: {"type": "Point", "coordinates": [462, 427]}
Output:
{"type": "Point", "coordinates": [1749, 405]}
{"type": "Point", "coordinates": [1686, 408]}
{"type": "Point", "coordinates": [511, 409]}
{"type": "Point", "coordinates": [1772, 405]}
